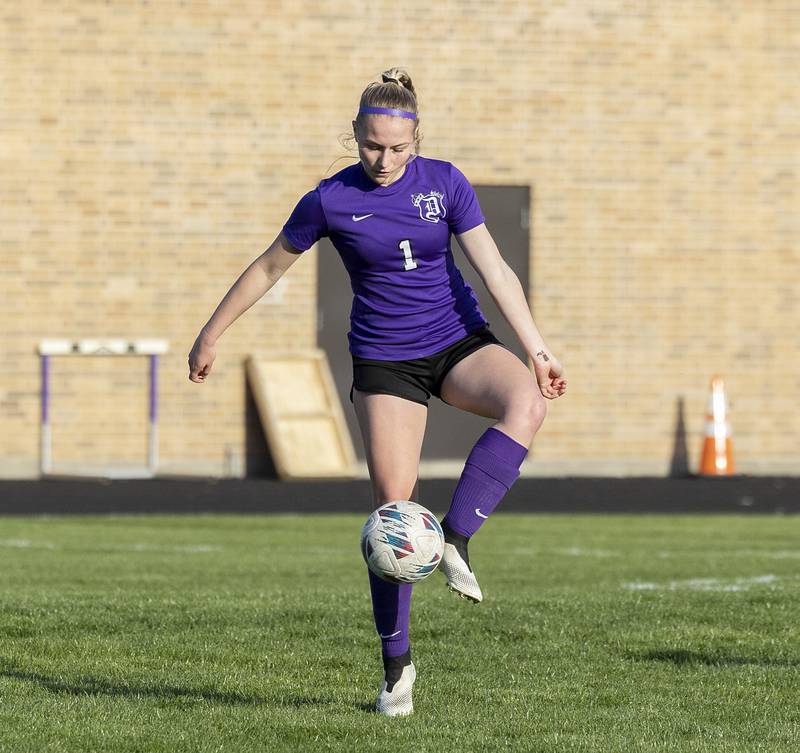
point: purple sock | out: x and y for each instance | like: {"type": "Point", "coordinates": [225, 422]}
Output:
{"type": "Point", "coordinates": [391, 606]}
{"type": "Point", "coordinates": [491, 468]}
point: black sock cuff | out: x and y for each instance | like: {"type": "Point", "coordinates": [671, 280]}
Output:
{"type": "Point", "coordinates": [458, 540]}
{"type": "Point", "coordinates": [397, 661]}
{"type": "Point", "coordinates": [453, 537]}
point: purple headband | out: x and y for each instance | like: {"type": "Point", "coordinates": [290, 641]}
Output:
{"type": "Point", "coordinates": [387, 111]}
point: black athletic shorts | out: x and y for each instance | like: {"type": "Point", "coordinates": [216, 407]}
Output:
{"type": "Point", "coordinates": [418, 378]}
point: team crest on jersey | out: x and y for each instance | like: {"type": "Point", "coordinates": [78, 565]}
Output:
{"type": "Point", "coordinates": [431, 206]}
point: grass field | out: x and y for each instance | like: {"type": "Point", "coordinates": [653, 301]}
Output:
{"type": "Point", "coordinates": [223, 633]}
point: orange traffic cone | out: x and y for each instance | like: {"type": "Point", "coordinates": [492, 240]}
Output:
{"type": "Point", "coordinates": [717, 459]}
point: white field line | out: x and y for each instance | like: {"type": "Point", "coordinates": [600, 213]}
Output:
{"type": "Point", "coordinates": [28, 544]}
{"type": "Point", "coordinates": [576, 551]}
{"type": "Point", "coordinates": [768, 554]}
{"type": "Point", "coordinates": [189, 549]}
{"type": "Point", "coordinates": [775, 554]}
{"type": "Point", "coordinates": [24, 544]}
{"type": "Point", "coordinates": [569, 552]}
{"type": "Point", "coordinates": [706, 584]}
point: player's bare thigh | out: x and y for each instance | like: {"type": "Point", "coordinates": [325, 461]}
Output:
{"type": "Point", "coordinates": [393, 429]}
{"type": "Point", "coordinates": [494, 383]}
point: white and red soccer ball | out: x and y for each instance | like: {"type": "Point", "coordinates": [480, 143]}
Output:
{"type": "Point", "coordinates": [402, 542]}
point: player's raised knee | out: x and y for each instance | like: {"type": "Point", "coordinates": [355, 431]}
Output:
{"type": "Point", "coordinates": [528, 411]}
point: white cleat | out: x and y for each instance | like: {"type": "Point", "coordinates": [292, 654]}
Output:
{"type": "Point", "coordinates": [396, 701]}
{"type": "Point", "coordinates": [460, 579]}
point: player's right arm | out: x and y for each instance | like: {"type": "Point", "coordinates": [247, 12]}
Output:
{"type": "Point", "coordinates": [253, 283]}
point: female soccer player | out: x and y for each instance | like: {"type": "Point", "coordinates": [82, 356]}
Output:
{"type": "Point", "coordinates": [416, 331]}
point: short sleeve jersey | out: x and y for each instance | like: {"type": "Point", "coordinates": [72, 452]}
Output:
{"type": "Point", "coordinates": [409, 298]}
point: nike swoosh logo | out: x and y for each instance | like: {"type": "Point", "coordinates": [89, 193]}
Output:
{"type": "Point", "coordinates": [397, 632]}
{"type": "Point", "coordinates": [480, 514]}
{"type": "Point", "coordinates": [363, 217]}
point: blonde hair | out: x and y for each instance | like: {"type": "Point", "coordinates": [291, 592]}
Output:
{"type": "Point", "coordinates": [395, 91]}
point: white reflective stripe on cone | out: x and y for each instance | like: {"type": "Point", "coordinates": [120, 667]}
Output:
{"type": "Point", "coordinates": [711, 430]}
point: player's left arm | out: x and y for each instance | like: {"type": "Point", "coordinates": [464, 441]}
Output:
{"type": "Point", "coordinates": [505, 288]}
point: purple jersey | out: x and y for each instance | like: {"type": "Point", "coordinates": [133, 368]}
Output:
{"type": "Point", "coordinates": [409, 299]}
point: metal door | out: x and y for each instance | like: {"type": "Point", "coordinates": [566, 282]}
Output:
{"type": "Point", "coordinates": [451, 433]}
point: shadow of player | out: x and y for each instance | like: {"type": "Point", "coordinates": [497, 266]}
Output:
{"type": "Point", "coordinates": [91, 685]}
{"type": "Point", "coordinates": [682, 657]}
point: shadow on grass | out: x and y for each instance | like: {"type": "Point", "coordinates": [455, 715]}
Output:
{"type": "Point", "coordinates": [681, 658]}
{"type": "Point", "coordinates": [99, 686]}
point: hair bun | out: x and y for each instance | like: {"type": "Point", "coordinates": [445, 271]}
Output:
{"type": "Point", "coordinates": [398, 76]}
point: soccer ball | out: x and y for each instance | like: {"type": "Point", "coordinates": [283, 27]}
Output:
{"type": "Point", "coordinates": [402, 542]}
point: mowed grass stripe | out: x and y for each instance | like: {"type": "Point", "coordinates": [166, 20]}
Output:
{"type": "Point", "coordinates": [227, 633]}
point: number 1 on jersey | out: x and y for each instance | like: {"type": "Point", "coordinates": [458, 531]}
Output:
{"type": "Point", "coordinates": [405, 247]}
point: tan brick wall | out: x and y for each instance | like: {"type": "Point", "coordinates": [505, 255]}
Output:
{"type": "Point", "coordinates": [150, 151]}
